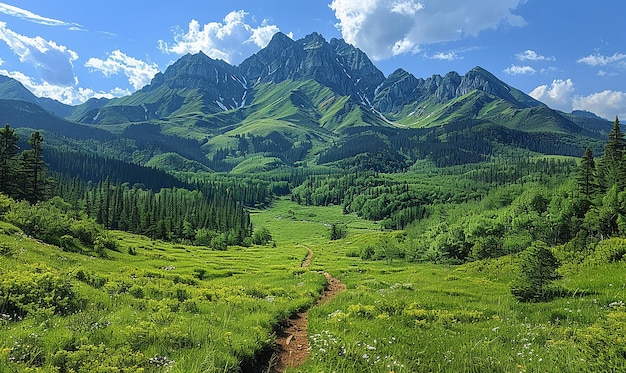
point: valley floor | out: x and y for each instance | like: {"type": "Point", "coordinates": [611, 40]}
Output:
{"type": "Point", "coordinates": [178, 308]}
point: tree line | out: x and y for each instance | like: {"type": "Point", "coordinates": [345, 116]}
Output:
{"type": "Point", "coordinates": [209, 213]}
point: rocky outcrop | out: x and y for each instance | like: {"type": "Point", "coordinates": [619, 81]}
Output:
{"type": "Point", "coordinates": [401, 89]}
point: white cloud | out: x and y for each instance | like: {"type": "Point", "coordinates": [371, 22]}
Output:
{"type": "Point", "coordinates": [53, 62]}
{"type": "Point", "coordinates": [519, 70]}
{"type": "Point", "coordinates": [560, 95]}
{"type": "Point", "coordinates": [70, 95]}
{"type": "Point", "coordinates": [139, 73]}
{"type": "Point", "coordinates": [445, 56]}
{"type": "Point", "coordinates": [557, 95]}
{"type": "Point", "coordinates": [230, 40]}
{"type": "Point", "coordinates": [383, 28]}
{"type": "Point", "coordinates": [606, 104]}
{"type": "Point", "coordinates": [408, 8]}
{"type": "Point", "coordinates": [530, 55]}
{"type": "Point", "coordinates": [32, 17]}
{"type": "Point", "coordinates": [600, 60]}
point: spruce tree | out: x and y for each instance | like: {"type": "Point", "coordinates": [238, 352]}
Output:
{"type": "Point", "coordinates": [587, 181]}
{"type": "Point", "coordinates": [537, 270]}
{"type": "Point", "coordinates": [8, 160]}
{"type": "Point", "coordinates": [33, 169]}
{"type": "Point", "coordinates": [612, 167]}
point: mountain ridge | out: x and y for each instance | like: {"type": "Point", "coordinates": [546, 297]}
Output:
{"type": "Point", "coordinates": [296, 99]}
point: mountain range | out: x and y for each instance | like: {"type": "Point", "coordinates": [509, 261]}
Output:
{"type": "Point", "coordinates": [303, 102]}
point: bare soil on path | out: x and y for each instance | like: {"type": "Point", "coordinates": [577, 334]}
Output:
{"type": "Point", "coordinates": [292, 339]}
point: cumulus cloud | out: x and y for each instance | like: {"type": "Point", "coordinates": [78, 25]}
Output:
{"type": "Point", "coordinates": [606, 104]}
{"type": "Point", "coordinates": [70, 95]}
{"type": "Point", "coordinates": [53, 62]}
{"type": "Point", "coordinates": [530, 55]}
{"type": "Point", "coordinates": [560, 95]}
{"type": "Point", "coordinates": [600, 60]}
{"type": "Point", "coordinates": [557, 95]}
{"type": "Point", "coordinates": [229, 40]}
{"type": "Point", "coordinates": [384, 28]}
{"type": "Point", "coordinates": [519, 70]}
{"type": "Point", "coordinates": [32, 17]}
{"type": "Point", "coordinates": [139, 73]}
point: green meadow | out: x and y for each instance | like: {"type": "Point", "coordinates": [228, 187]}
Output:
{"type": "Point", "coordinates": [153, 306]}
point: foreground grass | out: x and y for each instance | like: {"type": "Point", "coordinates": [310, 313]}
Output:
{"type": "Point", "coordinates": [156, 307]}
{"type": "Point", "coordinates": [174, 307]}
{"type": "Point", "coordinates": [419, 317]}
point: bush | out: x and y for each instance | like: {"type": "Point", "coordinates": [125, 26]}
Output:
{"type": "Point", "coordinates": [103, 243]}
{"type": "Point", "coordinates": [86, 231]}
{"type": "Point", "coordinates": [204, 236]}
{"type": "Point", "coordinates": [261, 236]}
{"type": "Point", "coordinates": [338, 231]}
{"type": "Point", "coordinates": [609, 251]}
{"type": "Point", "coordinates": [68, 243]}
{"type": "Point", "coordinates": [219, 243]}
{"type": "Point", "coordinates": [23, 293]}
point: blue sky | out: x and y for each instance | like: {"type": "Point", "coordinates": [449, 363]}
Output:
{"type": "Point", "coordinates": [570, 54]}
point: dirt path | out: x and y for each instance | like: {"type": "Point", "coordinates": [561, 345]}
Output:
{"type": "Point", "coordinates": [292, 340]}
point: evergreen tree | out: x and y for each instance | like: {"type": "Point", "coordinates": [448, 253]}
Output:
{"type": "Point", "coordinates": [33, 169]}
{"type": "Point", "coordinates": [587, 182]}
{"type": "Point", "coordinates": [612, 167]}
{"type": "Point", "coordinates": [538, 268]}
{"type": "Point", "coordinates": [8, 160]}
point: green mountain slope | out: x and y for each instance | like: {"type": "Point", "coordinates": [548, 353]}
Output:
{"type": "Point", "coordinates": [311, 101]}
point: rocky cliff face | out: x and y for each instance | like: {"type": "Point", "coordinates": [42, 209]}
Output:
{"type": "Point", "coordinates": [338, 65]}
{"type": "Point", "coordinates": [402, 88]}
{"type": "Point", "coordinates": [219, 83]}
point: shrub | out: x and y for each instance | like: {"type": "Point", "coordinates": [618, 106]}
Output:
{"type": "Point", "coordinates": [103, 243]}
{"type": "Point", "coordinates": [338, 231]}
{"type": "Point", "coordinates": [68, 243]}
{"type": "Point", "coordinates": [23, 293]}
{"type": "Point", "coordinates": [261, 236]}
{"type": "Point", "coordinates": [609, 251]}
{"type": "Point", "coordinates": [86, 231]}
{"type": "Point", "coordinates": [90, 278]}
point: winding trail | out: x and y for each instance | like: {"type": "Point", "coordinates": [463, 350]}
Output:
{"type": "Point", "coordinates": [292, 339]}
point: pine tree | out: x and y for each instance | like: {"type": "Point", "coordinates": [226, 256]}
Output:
{"type": "Point", "coordinates": [8, 160]}
{"type": "Point", "coordinates": [587, 181]}
{"type": "Point", "coordinates": [33, 169]}
{"type": "Point", "coordinates": [612, 167]}
{"type": "Point", "coordinates": [538, 269]}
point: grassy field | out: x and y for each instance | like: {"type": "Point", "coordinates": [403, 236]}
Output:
{"type": "Point", "coordinates": [156, 307]}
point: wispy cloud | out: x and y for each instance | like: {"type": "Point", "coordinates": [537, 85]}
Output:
{"type": "Point", "coordinates": [230, 40]}
{"type": "Point", "coordinates": [139, 72]}
{"type": "Point", "coordinates": [600, 60]}
{"type": "Point", "coordinates": [530, 55]}
{"type": "Point", "coordinates": [519, 70]}
{"type": "Point", "coordinates": [446, 56]}
{"type": "Point", "coordinates": [53, 62]}
{"type": "Point", "coordinates": [384, 28]}
{"type": "Point", "coordinates": [36, 18]}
